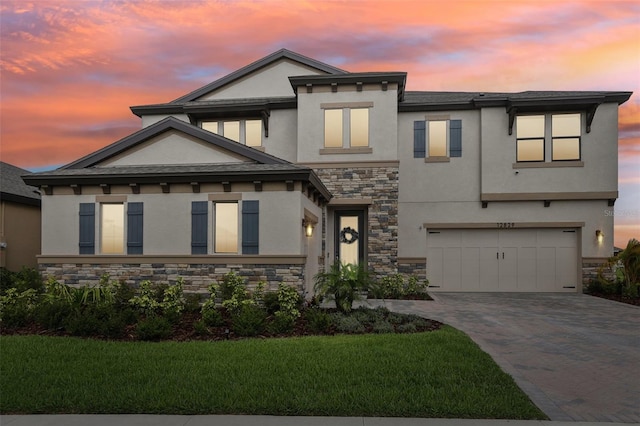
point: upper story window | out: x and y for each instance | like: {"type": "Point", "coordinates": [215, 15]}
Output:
{"type": "Point", "coordinates": [346, 125]}
{"type": "Point", "coordinates": [247, 132]}
{"type": "Point", "coordinates": [437, 138]}
{"type": "Point", "coordinates": [558, 133]}
{"type": "Point", "coordinates": [565, 133]}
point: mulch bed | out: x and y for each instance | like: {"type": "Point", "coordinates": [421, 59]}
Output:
{"type": "Point", "coordinates": [184, 330]}
{"type": "Point", "coordinates": [619, 298]}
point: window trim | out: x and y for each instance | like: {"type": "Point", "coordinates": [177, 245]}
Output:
{"type": "Point", "coordinates": [548, 141]}
{"type": "Point", "coordinates": [346, 147]}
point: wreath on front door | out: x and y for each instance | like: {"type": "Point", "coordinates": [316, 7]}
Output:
{"type": "Point", "coordinates": [348, 235]}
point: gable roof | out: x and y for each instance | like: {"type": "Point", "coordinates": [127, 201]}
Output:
{"type": "Point", "coordinates": [261, 63]}
{"type": "Point", "coordinates": [13, 188]}
{"type": "Point", "coordinates": [171, 123]}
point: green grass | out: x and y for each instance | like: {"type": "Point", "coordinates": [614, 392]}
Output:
{"type": "Point", "coordinates": [436, 374]}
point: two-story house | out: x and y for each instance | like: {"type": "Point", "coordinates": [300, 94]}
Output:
{"type": "Point", "coordinates": [289, 164]}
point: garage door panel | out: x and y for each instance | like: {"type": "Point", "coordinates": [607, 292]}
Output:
{"type": "Point", "coordinates": [503, 259]}
{"type": "Point", "coordinates": [527, 269]}
{"type": "Point", "coordinates": [470, 268]}
{"type": "Point", "coordinates": [452, 257]}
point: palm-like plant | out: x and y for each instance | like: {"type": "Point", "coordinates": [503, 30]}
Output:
{"type": "Point", "coordinates": [626, 266]}
{"type": "Point", "coordinates": [343, 284]}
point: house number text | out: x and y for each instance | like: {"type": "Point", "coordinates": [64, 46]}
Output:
{"type": "Point", "coordinates": [505, 225]}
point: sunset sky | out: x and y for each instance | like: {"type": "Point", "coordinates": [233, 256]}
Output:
{"type": "Point", "coordinates": [71, 69]}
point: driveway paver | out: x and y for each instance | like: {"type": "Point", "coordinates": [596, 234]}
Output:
{"type": "Point", "coordinates": [576, 356]}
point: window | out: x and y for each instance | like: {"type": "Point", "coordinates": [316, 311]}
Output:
{"type": "Point", "coordinates": [437, 139]}
{"type": "Point", "coordinates": [333, 128]}
{"type": "Point", "coordinates": [346, 127]}
{"type": "Point", "coordinates": [532, 137]}
{"type": "Point", "coordinates": [247, 132]}
{"type": "Point", "coordinates": [565, 133]}
{"type": "Point", "coordinates": [359, 127]}
{"type": "Point", "coordinates": [114, 230]}
{"type": "Point", "coordinates": [226, 227]}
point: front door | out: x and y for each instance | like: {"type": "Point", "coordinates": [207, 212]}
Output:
{"type": "Point", "coordinates": [350, 236]}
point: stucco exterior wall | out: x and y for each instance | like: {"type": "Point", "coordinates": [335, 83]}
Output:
{"type": "Point", "coordinates": [173, 147]}
{"type": "Point", "coordinates": [598, 153]}
{"type": "Point", "coordinates": [383, 136]}
{"type": "Point", "coordinates": [167, 221]}
{"type": "Point", "coordinates": [20, 230]}
{"type": "Point", "coordinates": [148, 120]}
{"type": "Point", "coordinates": [272, 80]}
{"type": "Point", "coordinates": [283, 137]}
{"type": "Point", "coordinates": [413, 238]}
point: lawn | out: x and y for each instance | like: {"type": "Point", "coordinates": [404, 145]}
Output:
{"type": "Point", "coordinates": [435, 374]}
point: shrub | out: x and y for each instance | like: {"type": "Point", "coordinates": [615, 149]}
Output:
{"type": "Point", "coordinates": [98, 319]}
{"type": "Point", "coordinates": [52, 313]}
{"type": "Point", "coordinates": [271, 302]}
{"type": "Point", "coordinates": [172, 304]}
{"type": "Point", "coordinates": [145, 302]}
{"type": "Point", "coordinates": [343, 284]}
{"type": "Point", "coordinates": [281, 324]}
{"type": "Point", "coordinates": [626, 267]}
{"type": "Point", "coordinates": [382, 327]}
{"type": "Point", "coordinates": [318, 320]}
{"type": "Point", "coordinates": [211, 316]}
{"type": "Point", "coordinates": [192, 302]}
{"type": "Point", "coordinates": [17, 308]}
{"type": "Point", "coordinates": [407, 328]}
{"type": "Point", "coordinates": [395, 287]}
{"type": "Point", "coordinates": [348, 324]}
{"type": "Point", "coordinates": [153, 328]}
{"type": "Point", "coordinates": [289, 301]}
{"type": "Point", "coordinates": [249, 320]}
{"type": "Point", "coordinates": [163, 298]}
{"type": "Point", "coordinates": [234, 292]}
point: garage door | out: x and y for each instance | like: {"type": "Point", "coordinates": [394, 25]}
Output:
{"type": "Point", "coordinates": [542, 260]}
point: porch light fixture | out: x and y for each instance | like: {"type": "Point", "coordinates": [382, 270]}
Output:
{"type": "Point", "coordinates": [308, 227]}
{"type": "Point", "coordinates": [599, 236]}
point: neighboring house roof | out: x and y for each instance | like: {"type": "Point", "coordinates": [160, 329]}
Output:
{"type": "Point", "coordinates": [261, 63]}
{"type": "Point", "coordinates": [13, 188]}
{"type": "Point", "coordinates": [171, 123]}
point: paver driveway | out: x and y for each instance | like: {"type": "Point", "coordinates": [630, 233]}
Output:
{"type": "Point", "coordinates": [576, 356]}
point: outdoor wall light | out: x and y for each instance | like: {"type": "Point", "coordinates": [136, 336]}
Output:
{"type": "Point", "coordinates": [308, 227]}
{"type": "Point", "coordinates": [599, 236]}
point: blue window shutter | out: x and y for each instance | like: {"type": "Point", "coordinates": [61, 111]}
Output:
{"type": "Point", "coordinates": [419, 139]}
{"type": "Point", "coordinates": [134, 228]}
{"type": "Point", "coordinates": [455, 138]}
{"type": "Point", "coordinates": [250, 227]}
{"type": "Point", "coordinates": [87, 240]}
{"type": "Point", "coordinates": [199, 227]}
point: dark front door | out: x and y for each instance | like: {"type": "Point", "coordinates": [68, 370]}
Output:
{"type": "Point", "coordinates": [350, 234]}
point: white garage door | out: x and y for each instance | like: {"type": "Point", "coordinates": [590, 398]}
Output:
{"type": "Point", "coordinates": [542, 260]}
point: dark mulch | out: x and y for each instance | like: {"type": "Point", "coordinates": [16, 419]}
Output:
{"type": "Point", "coordinates": [422, 296]}
{"type": "Point", "coordinates": [618, 298]}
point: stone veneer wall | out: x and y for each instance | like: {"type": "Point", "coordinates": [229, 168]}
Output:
{"type": "Point", "coordinates": [197, 277]}
{"type": "Point", "coordinates": [408, 268]}
{"type": "Point", "coordinates": [381, 185]}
